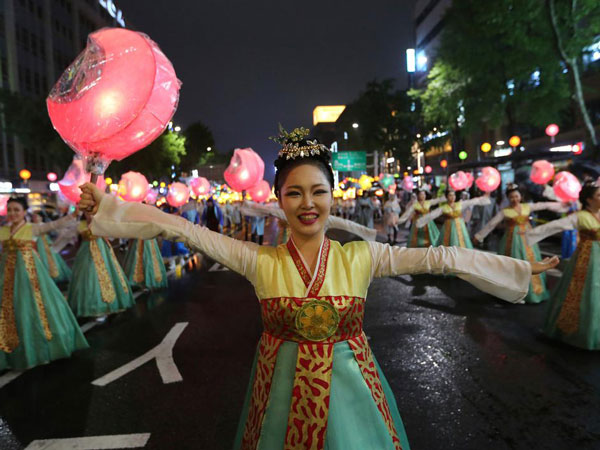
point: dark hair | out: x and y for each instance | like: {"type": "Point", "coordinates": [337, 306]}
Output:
{"type": "Point", "coordinates": [587, 191]}
{"type": "Point", "coordinates": [512, 188]}
{"type": "Point", "coordinates": [284, 167]}
{"type": "Point", "coordinates": [20, 200]}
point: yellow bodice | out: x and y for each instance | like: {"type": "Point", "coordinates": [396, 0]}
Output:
{"type": "Point", "coordinates": [422, 209]}
{"type": "Point", "coordinates": [588, 225]}
{"type": "Point", "coordinates": [25, 233]}
{"type": "Point", "coordinates": [514, 218]}
{"type": "Point", "coordinates": [452, 212]}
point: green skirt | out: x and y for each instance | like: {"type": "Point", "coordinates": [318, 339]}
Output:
{"type": "Point", "coordinates": [353, 423]}
{"type": "Point", "coordinates": [144, 266]}
{"type": "Point", "coordinates": [574, 310]}
{"type": "Point", "coordinates": [46, 330]}
{"type": "Point", "coordinates": [99, 285]}
{"type": "Point", "coordinates": [512, 244]}
{"type": "Point", "coordinates": [454, 233]}
{"type": "Point", "coordinates": [44, 249]}
{"type": "Point", "coordinates": [423, 237]}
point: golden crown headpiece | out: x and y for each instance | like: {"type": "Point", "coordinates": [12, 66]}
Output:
{"type": "Point", "coordinates": [292, 145]}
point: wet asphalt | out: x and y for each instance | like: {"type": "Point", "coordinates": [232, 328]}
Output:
{"type": "Point", "coordinates": [468, 371]}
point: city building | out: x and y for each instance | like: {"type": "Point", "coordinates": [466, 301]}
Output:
{"type": "Point", "coordinates": [38, 41]}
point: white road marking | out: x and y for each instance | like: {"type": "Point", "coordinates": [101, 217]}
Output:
{"type": "Point", "coordinates": [163, 353]}
{"type": "Point", "coordinates": [92, 442]}
{"type": "Point", "coordinates": [9, 376]}
{"type": "Point", "coordinates": [216, 267]}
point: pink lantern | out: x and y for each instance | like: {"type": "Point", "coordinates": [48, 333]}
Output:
{"type": "Point", "coordinates": [178, 194]}
{"type": "Point", "coordinates": [470, 180]}
{"type": "Point", "coordinates": [133, 187]}
{"type": "Point", "coordinates": [200, 186]}
{"type": "Point", "coordinates": [408, 184]}
{"type": "Point", "coordinates": [552, 130]}
{"type": "Point", "coordinates": [115, 98]}
{"type": "Point", "coordinates": [458, 181]}
{"type": "Point", "coordinates": [245, 170]}
{"type": "Point", "coordinates": [542, 171]}
{"type": "Point", "coordinates": [151, 196]}
{"type": "Point", "coordinates": [74, 177]}
{"type": "Point", "coordinates": [260, 192]}
{"type": "Point", "coordinates": [3, 204]}
{"type": "Point", "coordinates": [566, 186]}
{"type": "Point", "coordinates": [489, 180]}
{"type": "Point", "coordinates": [52, 177]}
{"type": "Point", "coordinates": [428, 169]}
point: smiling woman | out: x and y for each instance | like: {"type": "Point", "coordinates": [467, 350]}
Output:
{"type": "Point", "coordinates": [314, 383]}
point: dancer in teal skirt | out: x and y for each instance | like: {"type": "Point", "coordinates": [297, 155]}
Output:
{"type": "Point", "coordinates": [54, 262]}
{"type": "Point", "coordinates": [144, 265]}
{"type": "Point", "coordinates": [428, 234]}
{"type": "Point", "coordinates": [36, 324]}
{"type": "Point", "coordinates": [99, 286]}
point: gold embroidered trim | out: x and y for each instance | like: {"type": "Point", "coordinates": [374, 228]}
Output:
{"type": "Point", "coordinates": [317, 320]}
{"type": "Point", "coordinates": [107, 290]}
{"type": "Point", "coordinates": [117, 266]}
{"type": "Point", "coordinates": [138, 273]}
{"type": "Point", "coordinates": [52, 268]}
{"type": "Point", "coordinates": [9, 338]}
{"type": "Point", "coordinates": [324, 257]}
{"type": "Point", "coordinates": [298, 262]}
{"type": "Point", "coordinates": [155, 261]}
{"type": "Point", "coordinates": [522, 223]}
{"type": "Point", "coordinates": [29, 260]}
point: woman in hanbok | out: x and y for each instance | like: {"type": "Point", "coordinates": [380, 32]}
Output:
{"type": "Point", "coordinates": [454, 231]}
{"type": "Point", "coordinates": [516, 220]}
{"type": "Point", "coordinates": [427, 234]}
{"type": "Point", "coordinates": [144, 266]}
{"type": "Point", "coordinates": [99, 286]}
{"type": "Point", "coordinates": [54, 262]}
{"type": "Point", "coordinates": [36, 324]}
{"type": "Point", "coordinates": [391, 214]}
{"type": "Point", "coordinates": [574, 312]}
{"type": "Point", "coordinates": [314, 383]}
{"type": "Point", "coordinates": [365, 210]}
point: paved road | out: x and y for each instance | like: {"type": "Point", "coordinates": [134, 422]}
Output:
{"type": "Point", "coordinates": [469, 372]}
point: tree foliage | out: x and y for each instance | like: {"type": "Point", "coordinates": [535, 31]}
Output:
{"type": "Point", "coordinates": [198, 138]}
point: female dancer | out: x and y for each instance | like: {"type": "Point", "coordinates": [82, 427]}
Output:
{"type": "Point", "coordinates": [99, 286]}
{"type": "Point", "coordinates": [574, 311]}
{"type": "Point", "coordinates": [516, 218]}
{"type": "Point", "coordinates": [144, 265]}
{"type": "Point", "coordinates": [454, 231]}
{"type": "Point", "coordinates": [429, 233]}
{"type": "Point", "coordinates": [54, 262]}
{"type": "Point", "coordinates": [315, 383]}
{"type": "Point", "coordinates": [36, 324]}
{"type": "Point", "coordinates": [391, 214]}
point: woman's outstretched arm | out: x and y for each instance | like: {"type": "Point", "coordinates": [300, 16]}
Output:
{"type": "Point", "coordinates": [540, 233]}
{"type": "Point", "coordinates": [47, 227]}
{"type": "Point", "coordinates": [432, 215]}
{"type": "Point", "coordinates": [487, 229]}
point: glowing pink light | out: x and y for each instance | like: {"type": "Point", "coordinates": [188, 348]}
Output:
{"type": "Point", "coordinates": [133, 187]}
{"type": "Point", "coordinates": [458, 180]}
{"type": "Point", "coordinates": [178, 194]}
{"type": "Point", "coordinates": [489, 180]}
{"type": "Point", "coordinates": [566, 186]}
{"type": "Point", "coordinates": [245, 170]}
{"type": "Point", "coordinates": [260, 192]}
{"type": "Point", "coordinates": [542, 171]}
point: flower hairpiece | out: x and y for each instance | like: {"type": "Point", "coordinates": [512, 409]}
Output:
{"type": "Point", "coordinates": [292, 146]}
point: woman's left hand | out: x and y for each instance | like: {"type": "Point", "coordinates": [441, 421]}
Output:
{"type": "Point", "coordinates": [543, 265]}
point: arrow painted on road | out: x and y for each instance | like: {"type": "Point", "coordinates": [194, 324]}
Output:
{"type": "Point", "coordinates": [216, 267]}
{"type": "Point", "coordinates": [92, 442]}
{"type": "Point", "coordinates": [163, 353]}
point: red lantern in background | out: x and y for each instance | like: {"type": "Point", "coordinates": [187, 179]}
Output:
{"type": "Point", "coordinates": [178, 194]}
{"type": "Point", "coordinates": [260, 192]}
{"type": "Point", "coordinates": [3, 204]}
{"type": "Point", "coordinates": [115, 98]}
{"type": "Point", "coordinates": [458, 181]}
{"type": "Point", "coordinates": [151, 197]}
{"type": "Point", "coordinates": [245, 170]}
{"type": "Point", "coordinates": [200, 186]}
{"type": "Point", "coordinates": [489, 180]}
{"type": "Point", "coordinates": [74, 177]}
{"type": "Point", "coordinates": [133, 187]}
{"type": "Point", "coordinates": [566, 186]}
{"type": "Point", "coordinates": [443, 163]}
{"type": "Point", "coordinates": [542, 171]}
{"type": "Point", "coordinates": [51, 176]}
{"type": "Point", "coordinates": [552, 130]}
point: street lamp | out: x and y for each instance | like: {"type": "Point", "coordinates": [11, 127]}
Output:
{"type": "Point", "coordinates": [354, 125]}
{"type": "Point", "coordinates": [177, 129]}
{"type": "Point", "coordinates": [208, 149]}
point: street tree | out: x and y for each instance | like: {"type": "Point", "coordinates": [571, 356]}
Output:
{"type": "Point", "coordinates": [199, 146]}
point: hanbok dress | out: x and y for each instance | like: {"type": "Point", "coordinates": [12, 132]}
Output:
{"type": "Point", "coordinates": [454, 231]}
{"type": "Point", "coordinates": [513, 242]}
{"type": "Point", "coordinates": [144, 266]}
{"type": "Point", "coordinates": [99, 285]}
{"type": "Point", "coordinates": [315, 383]}
{"type": "Point", "coordinates": [54, 262]}
{"type": "Point", "coordinates": [429, 233]}
{"type": "Point", "coordinates": [36, 323]}
{"type": "Point", "coordinates": [574, 310]}
{"type": "Point", "coordinates": [391, 215]}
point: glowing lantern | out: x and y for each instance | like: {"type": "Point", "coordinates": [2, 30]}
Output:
{"type": "Point", "coordinates": [74, 177]}
{"type": "Point", "coordinates": [428, 169]}
{"type": "Point", "coordinates": [200, 186]}
{"type": "Point", "coordinates": [392, 189]}
{"type": "Point", "coordinates": [552, 130]}
{"type": "Point", "coordinates": [408, 183]}
{"type": "Point", "coordinates": [51, 176]}
{"type": "Point", "coordinates": [115, 98]}
{"type": "Point", "coordinates": [566, 186]}
{"type": "Point", "coordinates": [514, 141]}
{"type": "Point", "coordinates": [25, 174]}
{"type": "Point", "coordinates": [365, 182]}
{"type": "Point", "coordinates": [489, 180]}
{"type": "Point", "coordinates": [578, 148]}
{"type": "Point", "coordinates": [470, 180]}
{"type": "Point", "coordinates": [379, 192]}
{"type": "Point", "coordinates": [151, 196]}
{"type": "Point", "coordinates": [443, 163]}
{"type": "Point", "coordinates": [387, 180]}
{"type": "Point", "coordinates": [486, 147]}
{"type": "Point", "coordinates": [542, 171]}
{"type": "Point", "coordinates": [245, 170]}
{"type": "Point", "coordinates": [260, 192]}
{"type": "Point", "coordinates": [3, 204]}
{"type": "Point", "coordinates": [108, 180]}
{"type": "Point", "coordinates": [133, 187]}
{"type": "Point", "coordinates": [178, 194]}
{"type": "Point", "coordinates": [458, 181]}
{"type": "Point", "coordinates": [463, 155]}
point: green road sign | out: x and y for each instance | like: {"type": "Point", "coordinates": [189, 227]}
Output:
{"type": "Point", "coordinates": [350, 161]}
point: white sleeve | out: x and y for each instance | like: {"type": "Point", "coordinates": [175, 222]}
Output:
{"type": "Point", "coordinates": [504, 277]}
{"type": "Point", "coordinates": [477, 201]}
{"type": "Point", "coordinates": [337, 223]}
{"type": "Point", "coordinates": [47, 227]}
{"type": "Point", "coordinates": [437, 200]}
{"type": "Point", "coordinates": [487, 229]}
{"type": "Point", "coordinates": [540, 233]}
{"type": "Point", "coordinates": [135, 220]}
{"type": "Point", "coordinates": [549, 193]}
{"type": "Point", "coordinates": [431, 215]}
{"type": "Point", "coordinates": [407, 214]}
{"type": "Point", "coordinates": [551, 206]}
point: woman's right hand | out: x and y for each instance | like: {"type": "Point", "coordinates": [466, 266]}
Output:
{"type": "Point", "coordinates": [91, 196]}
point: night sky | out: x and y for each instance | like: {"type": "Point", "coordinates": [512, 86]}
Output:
{"type": "Point", "coordinates": [246, 66]}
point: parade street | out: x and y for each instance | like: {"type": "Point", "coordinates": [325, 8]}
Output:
{"type": "Point", "coordinates": [468, 371]}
